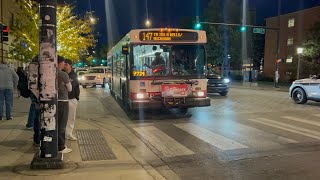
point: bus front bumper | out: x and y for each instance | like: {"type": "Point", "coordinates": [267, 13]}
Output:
{"type": "Point", "coordinates": [177, 103]}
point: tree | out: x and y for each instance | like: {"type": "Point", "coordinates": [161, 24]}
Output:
{"type": "Point", "coordinates": [74, 35]}
{"type": "Point", "coordinates": [223, 39]}
{"type": "Point", "coordinates": [310, 60]}
{"type": "Point", "coordinates": [312, 44]}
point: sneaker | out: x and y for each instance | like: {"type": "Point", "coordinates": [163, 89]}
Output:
{"type": "Point", "coordinates": [65, 150]}
{"type": "Point", "coordinates": [9, 118]}
{"type": "Point", "coordinates": [72, 138]}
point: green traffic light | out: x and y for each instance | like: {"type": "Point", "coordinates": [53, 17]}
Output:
{"type": "Point", "coordinates": [243, 28]}
{"type": "Point", "coordinates": [198, 26]}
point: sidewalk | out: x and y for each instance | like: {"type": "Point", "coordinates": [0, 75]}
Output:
{"type": "Point", "coordinates": [259, 86]}
{"type": "Point", "coordinates": [106, 147]}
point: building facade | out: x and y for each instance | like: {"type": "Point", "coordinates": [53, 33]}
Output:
{"type": "Point", "coordinates": [293, 30]}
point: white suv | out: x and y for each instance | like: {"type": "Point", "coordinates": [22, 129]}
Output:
{"type": "Point", "coordinates": [95, 76]}
{"type": "Point", "coordinates": [303, 90]}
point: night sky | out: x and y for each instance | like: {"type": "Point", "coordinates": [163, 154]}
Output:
{"type": "Point", "coordinates": [129, 14]}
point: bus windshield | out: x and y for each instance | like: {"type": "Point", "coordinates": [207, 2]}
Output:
{"type": "Point", "coordinates": [156, 60]}
{"type": "Point", "coordinates": [188, 60]}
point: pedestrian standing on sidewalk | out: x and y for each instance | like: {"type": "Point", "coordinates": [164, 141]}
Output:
{"type": "Point", "coordinates": [21, 74]}
{"type": "Point", "coordinates": [73, 100]}
{"type": "Point", "coordinates": [64, 86]}
{"type": "Point", "coordinates": [8, 81]}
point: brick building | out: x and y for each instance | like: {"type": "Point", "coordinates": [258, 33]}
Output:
{"type": "Point", "coordinates": [293, 30]}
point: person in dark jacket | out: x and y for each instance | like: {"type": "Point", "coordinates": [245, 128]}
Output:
{"type": "Point", "coordinates": [73, 100]}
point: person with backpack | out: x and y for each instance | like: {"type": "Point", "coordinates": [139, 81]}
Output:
{"type": "Point", "coordinates": [8, 81]}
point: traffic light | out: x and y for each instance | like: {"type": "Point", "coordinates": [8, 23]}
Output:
{"type": "Point", "coordinates": [198, 24]}
{"type": "Point", "coordinates": [243, 28]}
{"type": "Point", "coordinates": [4, 33]}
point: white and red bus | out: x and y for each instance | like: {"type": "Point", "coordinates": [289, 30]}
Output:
{"type": "Point", "coordinates": [160, 68]}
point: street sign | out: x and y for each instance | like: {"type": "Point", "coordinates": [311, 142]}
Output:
{"type": "Point", "coordinates": [259, 30]}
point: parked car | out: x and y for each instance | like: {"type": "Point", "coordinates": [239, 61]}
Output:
{"type": "Point", "coordinates": [303, 90]}
{"type": "Point", "coordinates": [217, 83]}
{"type": "Point", "coordinates": [95, 76]}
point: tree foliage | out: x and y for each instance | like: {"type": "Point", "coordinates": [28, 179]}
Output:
{"type": "Point", "coordinates": [74, 35]}
{"type": "Point", "coordinates": [312, 44]}
{"type": "Point", "coordinates": [223, 39]}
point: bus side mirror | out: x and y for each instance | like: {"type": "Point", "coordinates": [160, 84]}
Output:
{"type": "Point", "coordinates": [125, 50]}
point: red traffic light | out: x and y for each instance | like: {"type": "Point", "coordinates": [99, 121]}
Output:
{"type": "Point", "coordinates": [5, 28]}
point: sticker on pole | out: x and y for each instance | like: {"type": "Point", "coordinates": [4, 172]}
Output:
{"type": "Point", "coordinates": [174, 90]}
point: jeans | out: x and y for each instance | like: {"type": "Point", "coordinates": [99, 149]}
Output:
{"type": "Point", "coordinates": [63, 110]}
{"type": "Point", "coordinates": [6, 95]}
{"type": "Point", "coordinates": [73, 103]}
{"type": "Point", "coordinates": [33, 119]}
{"type": "Point", "coordinates": [32, 112]}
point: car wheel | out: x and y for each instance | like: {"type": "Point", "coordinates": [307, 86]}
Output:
{"type": "Point", "coordinates": [299, 96]}
{"type": "Point", "coordinates": [224, 93]}
{"type": "Point", "coordinates": [183, 110]}
{"type": "Point", "coordinates": [84, 86]}
{"type": "Point", "coordinates": [103, 83]}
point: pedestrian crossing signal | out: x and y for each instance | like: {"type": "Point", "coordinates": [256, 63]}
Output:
{"type": "Point", "coordinates": [4, 33]}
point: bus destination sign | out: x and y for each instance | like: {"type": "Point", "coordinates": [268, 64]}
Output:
{"type": "Point", "coordinates": [182, 36]}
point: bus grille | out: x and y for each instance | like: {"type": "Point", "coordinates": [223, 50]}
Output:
{"type": "Point", "coordinates": [90, 77]}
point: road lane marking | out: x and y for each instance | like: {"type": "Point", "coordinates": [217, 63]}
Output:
{"type": "Point", "coordinates": [162, 142]}
{"type": "Point", "coordinates": [210, 137]}
{"type": "Point", "coordinates": [301, 120]}
{"type": "Point", "coordinates": [318, 115]}
{"type": "Point", "coordinates": [288, 127]}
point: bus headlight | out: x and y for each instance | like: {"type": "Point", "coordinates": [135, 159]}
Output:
{"type": "Point", "coordinates": [140, 96]}
{"type": "Point", "coordinates": [226, 80]}
{"type": "Point", "coordinates": [200, 93]}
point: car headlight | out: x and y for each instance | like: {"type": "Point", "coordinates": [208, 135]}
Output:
{"type": "Point", "coordinates": [81, 78]}
{"type": "Point", "coordinates": [226, 80]}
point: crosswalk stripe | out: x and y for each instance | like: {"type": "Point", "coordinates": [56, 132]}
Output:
{"type": "Point", "coordinates": [288, 127]}
{"type": "Point", "coordinates": [301, 120]}
{"type": "Point", "coordinates": [318, 115]}
{"type": "Point", "coordinates": [210, 137]}
{"type": "Point", "coordinates": [162, 142]}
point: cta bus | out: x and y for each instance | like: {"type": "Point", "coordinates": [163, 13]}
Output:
{"type": "Point", "coordinates": [160, 68]}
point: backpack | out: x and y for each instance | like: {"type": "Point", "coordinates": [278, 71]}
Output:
{"type": "Point", "coordinates": [23, 86]}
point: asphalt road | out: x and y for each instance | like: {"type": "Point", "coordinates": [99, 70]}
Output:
{"type": "Point", "coordinates": [250, 134]}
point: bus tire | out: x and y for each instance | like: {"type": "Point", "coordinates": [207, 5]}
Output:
{"type": "Point", "coordinates": [125, 100]}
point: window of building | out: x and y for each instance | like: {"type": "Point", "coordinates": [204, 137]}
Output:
{"type": "Point", "coordinates": [291, 22]}
{"type": "Point", "coordinates": [290, 41]}
{"type": "Point", "coordinates": [289, 59]}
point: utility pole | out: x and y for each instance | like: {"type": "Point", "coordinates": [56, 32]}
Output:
{"type": "Point", "coordinates": [276, 66]}
{"type": "Point", "coordinates": [48, 156]}
{"type": "Point", "coordinates": [2, 60]}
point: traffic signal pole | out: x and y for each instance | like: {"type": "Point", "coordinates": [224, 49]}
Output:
{"type": "Point", "coordinates": [2, 60]}
{"type": "Point", "coordinates": [48, 156]}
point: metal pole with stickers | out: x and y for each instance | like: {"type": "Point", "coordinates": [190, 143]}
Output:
{"type": "Point", "coordinates": [48, 156]}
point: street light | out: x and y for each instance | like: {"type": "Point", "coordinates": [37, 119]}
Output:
{"type": "Point", "coordinates": [93, 20]}
{"type": "Point", "coordinates": [299, 51]}
{"type": "Point", "coordinates": [148, 23]}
